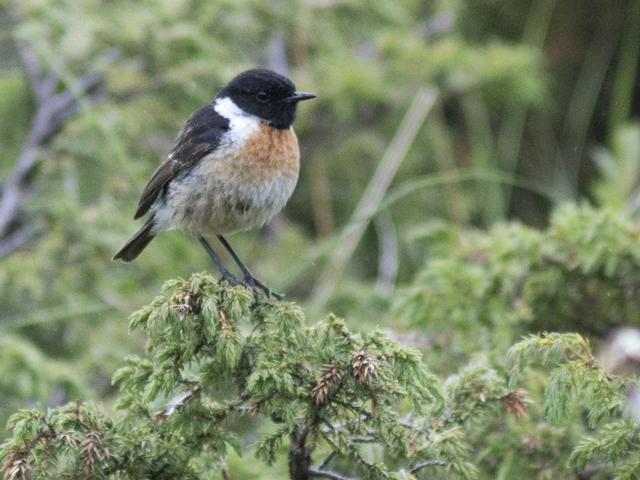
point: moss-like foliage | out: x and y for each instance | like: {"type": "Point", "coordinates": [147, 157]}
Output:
{"type": "Point", "coordinates": [214, 353]}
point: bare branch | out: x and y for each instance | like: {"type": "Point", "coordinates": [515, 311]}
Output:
{"type": "Point", "coordinates": [42, 88]}
{"type": "Point", "coordinates": [53, 111]}
{"type": "Point", "coordinates": [372, 197]}
{"type": "Point", "coordinates": [15, 240]}
{"type": "Point", "coordinates": [388, 252]}
{"type": "Point", "coordinates": [277, 52]}
{"type": "Point", "coordinates": [364, 439]}
{"type": "Point", "coordinates": [326, 460]}
{"type": "Point", "coordinates": [315, 472]}
{"type": "Point", "coordinates": [225, 473]}
{"type": "Point", "coordinates": [335, 426]}
{"type": "Point", "coordinates": [427, 463]}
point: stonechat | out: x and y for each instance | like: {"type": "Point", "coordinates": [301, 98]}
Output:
{"type": "Point", "coordinates": [234, 165]}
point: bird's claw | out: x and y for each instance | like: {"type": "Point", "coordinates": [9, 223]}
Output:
{"type": "Point", "coordinates": [254, 284]}
{"type": "Point", "coordinates": [230, 279]}
{"type": "Point", "coordinates": [248, 282]}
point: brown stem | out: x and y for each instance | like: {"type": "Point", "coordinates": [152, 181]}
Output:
{"type": "Point", "coordinates": [299, 455]}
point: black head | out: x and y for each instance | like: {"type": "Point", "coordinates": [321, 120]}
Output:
{"type": "Point", "coordinates": [267, 95]}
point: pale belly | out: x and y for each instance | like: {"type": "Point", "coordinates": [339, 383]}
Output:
{"type": "Point", "coordinates": [220, 196]}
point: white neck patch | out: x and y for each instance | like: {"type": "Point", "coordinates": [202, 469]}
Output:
{"type": "Point", "coordinates": [241, 124]}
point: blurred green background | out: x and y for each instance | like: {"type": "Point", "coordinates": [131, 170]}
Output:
{"type": "Point", "coordinates": [525, 105]}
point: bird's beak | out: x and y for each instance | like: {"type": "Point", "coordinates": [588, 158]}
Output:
{"type": "Point", "coordinates": [299, 96]}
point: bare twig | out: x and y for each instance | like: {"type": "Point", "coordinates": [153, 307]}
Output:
{"type": "Point", "coordinates": [372, 197]}
{"type": "Point", "coordinates": [409, 425]}
{"type": "Point", "coordinates": [438, 24]}
{"type": "Point", "coordinates": [445, 158]}
{"type": "Point", "coordinates": [405, 474]}
{"type": "Point", "coordinates": [315, 472]}
{"type": "Point", "coordinates": [225, 473]}
{"type": "Point", "coordinates": [326, 460]}
{"type": "Point", "coordinates": [53, 111]}
{"type": "Point", "coordinates": [42, 88]}
{"type": "Point", "coordinates": [277, 53]}
{"type": "Point", "coordinates": [427, 463]}
{"type": "Point", "coordinates": [363, 439]}
{"type": "Point", "coordinates": [388, 252]}
{"type": "Point", "coordinates": [15, 239]}
{"type": "Point", "coordinates": [336, 426]}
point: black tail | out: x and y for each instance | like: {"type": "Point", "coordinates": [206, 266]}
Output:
{"type": "Point", "coordinates": [137, 243]}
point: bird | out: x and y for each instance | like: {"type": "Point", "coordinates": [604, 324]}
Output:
{"type": "Point", "coordinates": [234, 165]}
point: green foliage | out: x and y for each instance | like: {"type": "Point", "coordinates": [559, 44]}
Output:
{"type": "Point", "coordinates": [215, 353]}
{"type": "Point", "coordinates": [28, 375]}
{"type": "Point", "coordinates": [579, 380]}
{"type": "Point", "coordinates": [578, 383]}
{"type": "Point", "coordinates": [483, 290]}
{"type": "Point", "coordinates": [359, 405]}
{"type": "Point", "coordinates": [619, 169]}
{"type": "Point", "coordinates": [480, 292]}
{"type": "Point", "coordinates": [161, 60]}
{"type": "Point", "coordinates": [508, 103]}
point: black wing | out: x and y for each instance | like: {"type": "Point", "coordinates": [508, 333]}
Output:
{"type": "Point", "coordinates": [199, 136]}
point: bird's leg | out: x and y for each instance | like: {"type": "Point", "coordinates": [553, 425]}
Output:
{"type": "Point", "coordinates": [248, 279]}
{"type": "Point", "coordinates": [226, 274]}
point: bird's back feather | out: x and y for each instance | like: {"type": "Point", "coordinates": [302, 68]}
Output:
{"type": "Point", "coordinates": [199, 136]}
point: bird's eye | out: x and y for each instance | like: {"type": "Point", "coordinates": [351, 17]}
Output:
{"type": "Point", "coordinates": [262, 97]}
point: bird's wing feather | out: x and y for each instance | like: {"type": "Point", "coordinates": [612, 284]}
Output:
{"type": "Point", "coordinates": [199, 137]}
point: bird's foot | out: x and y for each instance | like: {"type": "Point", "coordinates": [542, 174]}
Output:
{"type": "Point", "coordinates": [229, 278]}
{"type": "Point", "coordinates": [254, 284]}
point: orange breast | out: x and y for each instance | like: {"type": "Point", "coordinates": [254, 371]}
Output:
{"type": "Point", "coordinates": [272, 151]}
